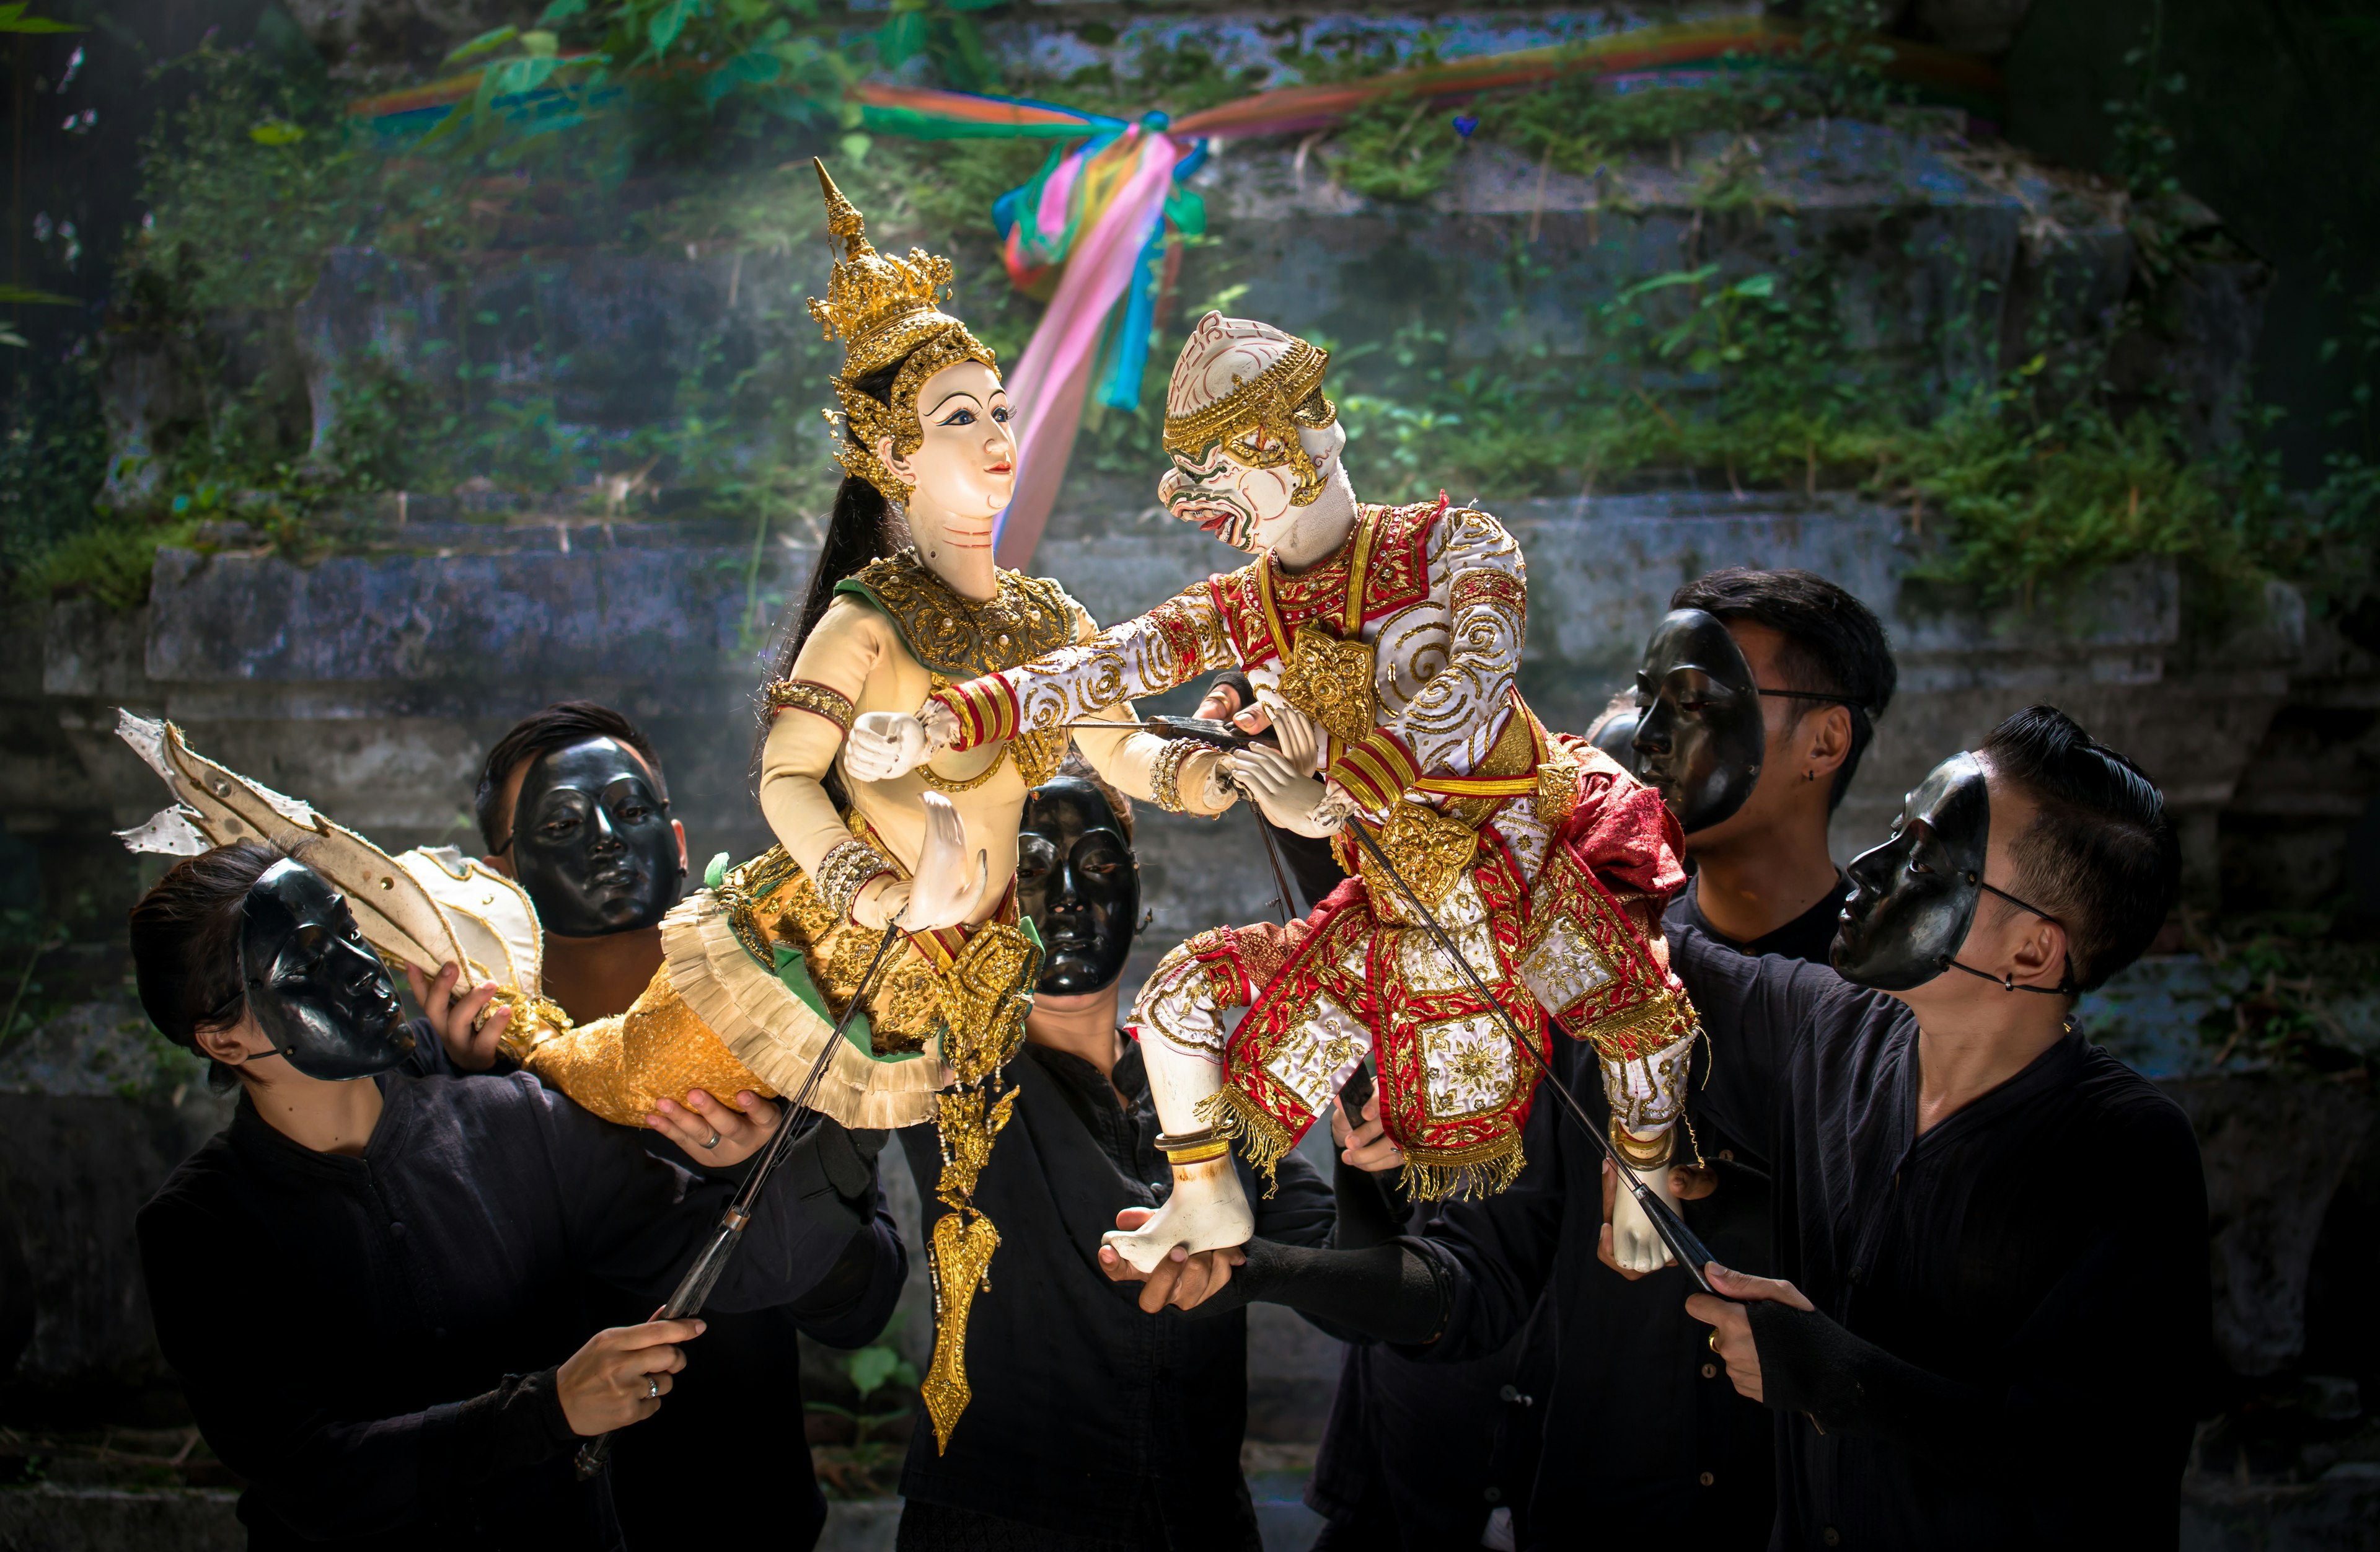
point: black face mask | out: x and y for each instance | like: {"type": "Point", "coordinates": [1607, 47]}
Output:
{"type": "Point", "coordinates": [1700, 735]}
{"type": "Point", "coordinates": [1617, 738]}
{"type": "Point", "coordinates": [318, 991]}
{"type": "Point", "coordinates": [1075, 878]}
{"type": "Point", "coordinates": [1912, 899]}
{"type": "Point", "coordinates": [592, 843]}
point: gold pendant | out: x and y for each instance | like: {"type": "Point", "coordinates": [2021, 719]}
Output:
{"type": "Point", "coordinates": [1330, 680]}
{"type": "Point", "coordinates": [964, 1242]}
{"type": "Point", "coordinates": [967, 1133]}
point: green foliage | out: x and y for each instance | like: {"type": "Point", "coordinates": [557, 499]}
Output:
{"type": "Point", "coordinates": [1399, 147]}
{"type": "Point", "coordinates": [2285, 984]}
{"type": "Point", "coordinates": [14, 19]}
{"type": "Point", "coordinates": [53, 458]}
{"type": "Point", "coordinates": [2029, 501]}
{"type": "Point", "coordinates": [1577, 124]}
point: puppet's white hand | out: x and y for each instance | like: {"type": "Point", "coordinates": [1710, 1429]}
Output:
{"type": "Point", "coordinates": [1284, 796]}
{"type": "Point", "coordinates": [948, 887]}
{"type": "Point", "coordinates": [883, 744]}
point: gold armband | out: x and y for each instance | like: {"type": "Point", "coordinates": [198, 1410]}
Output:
{"type": "Point", "coordinates": [800, 695]}
{"type": "Point", "coordinates": [1641, 1154]}
{"type": "Point", "coordinates": [1193, 1148]}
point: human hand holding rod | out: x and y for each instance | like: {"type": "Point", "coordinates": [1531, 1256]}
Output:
{"type": "Point", "coordinates": [1685, 1244]}
{"type": "Point", "coordinates": [695, 1286]}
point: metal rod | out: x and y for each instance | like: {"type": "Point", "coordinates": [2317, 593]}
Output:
{"type": "Point", "coordinates": [1272, 854]}
{"type": "Point", "coordinates": [1685, 1244]}
{"type": "Point", "coordinates": [695, 1286]}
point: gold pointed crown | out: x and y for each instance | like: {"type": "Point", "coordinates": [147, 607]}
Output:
{"type": "Point", "coordinates": [885, 310]}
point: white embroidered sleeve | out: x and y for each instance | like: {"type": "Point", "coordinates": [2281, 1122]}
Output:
{"type": "Point", "coordinates": [1477, 575]}
{"type": "Point", "coordinates": [1179, 638]}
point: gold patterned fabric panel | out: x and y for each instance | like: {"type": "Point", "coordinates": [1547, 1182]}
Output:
{"type": "Point", "coordinates": [904, 1005]}
{"type": "Point", "coordinates": [620, 1067]}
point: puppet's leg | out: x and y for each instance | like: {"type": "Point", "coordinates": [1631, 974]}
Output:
{"type": "Point", "coordinates": [1647, 1097]}
{"type": "Point", "coordinates": [1182, 1044]}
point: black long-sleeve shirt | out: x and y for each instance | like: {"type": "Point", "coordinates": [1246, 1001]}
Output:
{"type": "Point", "coordinates": [1089, 1417]}
{"type": "Point", "coordinates": [2012, 1309]}
{"type": "Point", "coordinates": [1647, 1436]}
{"type": "Point", "coordinates": [371, 1341]}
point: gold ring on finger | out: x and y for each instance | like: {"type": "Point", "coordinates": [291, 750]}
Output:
{"type": "Point", "coordinates": [1713, 1339]}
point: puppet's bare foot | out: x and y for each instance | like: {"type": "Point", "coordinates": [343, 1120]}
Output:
{"type": "Point", "coordinates": [1207, 1211]}
{"type": "Point", "coordinates": [1635, 1244]}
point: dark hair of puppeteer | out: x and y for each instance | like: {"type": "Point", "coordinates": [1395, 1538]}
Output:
{"type": "Point", "coordinates": [2101, 855]}
{"type": "Point", "coordinates": [1076, 766]}
{"type": "Point", "coordinates": [1834, 644]}
{"type": "Point", "coordinates": [185, 938]}
{"type": "Point", "coordinates": [559, 726]}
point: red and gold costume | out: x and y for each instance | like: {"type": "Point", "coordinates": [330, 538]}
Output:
{"type": "Point", "coordinates": [1547, 864]}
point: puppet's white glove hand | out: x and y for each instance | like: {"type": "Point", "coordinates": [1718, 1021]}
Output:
{"type": "Point", "coordinates": [1302, 744]}
{"type": "Point", "coordinates": [1284, 796]}
{"type": "Point", "coordinates": [947, 889]}
{"type": "Point", "coordinates": [1635, 1244]}
{"type": "Point", "coordinates": [883, 744]}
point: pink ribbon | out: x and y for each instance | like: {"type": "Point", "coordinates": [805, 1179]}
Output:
{"type": "Point", "coordinates": [1054, 377]}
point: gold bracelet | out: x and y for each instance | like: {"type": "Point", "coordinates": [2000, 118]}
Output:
{"type": "Point", "coordinates": [845, 871]}
{"type": "Point", "coordinates": [1165, 774]}
{"type": "Point", "coordinates": [1640, 1154]}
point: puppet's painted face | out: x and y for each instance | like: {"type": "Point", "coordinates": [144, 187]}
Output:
{"type": "Point", "coordinates": [316, 988]}
{"type": "Point", "coordinates": [1701, 734]}
{"type": "Point", "coordinates": [963, 472]}
{"type": "Point", "coordinates": [1076, 879]}
{"type": "Point", "coordinates": [1914, 898]}
{"type": "Point", "coordinates": [592, 840]}
{"type": "Point", "coordinates": [1247, 508]}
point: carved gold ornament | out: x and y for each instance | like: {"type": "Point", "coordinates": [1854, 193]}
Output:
{"type": "Point", "coordinates": [1259, 420]}
{"type": "Point", "coordinates": [1429, 851]}
{"type": "Point", "coordinates": [1330, 680]}
{"type": "Point", "coordinates": [885, 310]}
{"type": "Point", "coordinates": [535, 1021]}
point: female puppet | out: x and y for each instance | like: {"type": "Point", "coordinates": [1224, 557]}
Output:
{"type": "Point", "coordinates": [759, 964]}
{"type": "Point", "coordinates": [1385, 641]}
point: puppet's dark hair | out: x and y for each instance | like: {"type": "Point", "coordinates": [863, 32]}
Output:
{"type": "Point", "coordinates": [862, 528]}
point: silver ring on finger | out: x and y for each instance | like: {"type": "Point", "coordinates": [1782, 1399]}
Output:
{"type": "Point", "coordinates": [652, 1388]}
{"type": "Point", "coordinates": [712, 1141]}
